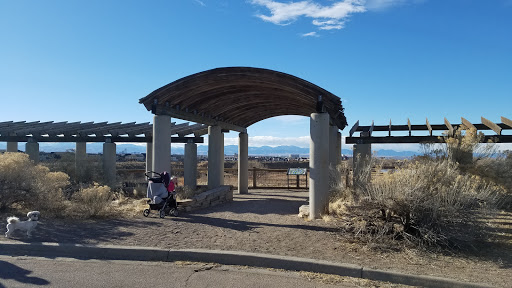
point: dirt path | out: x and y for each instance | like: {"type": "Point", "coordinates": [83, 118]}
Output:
{"type": "Point", "coordinates": [265, 221]}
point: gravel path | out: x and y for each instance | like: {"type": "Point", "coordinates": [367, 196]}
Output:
{"type": "Point", "coordinates": [265, 221]}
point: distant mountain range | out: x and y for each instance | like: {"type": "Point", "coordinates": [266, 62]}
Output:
{"type": "Point", "coordinates": [95, 148]}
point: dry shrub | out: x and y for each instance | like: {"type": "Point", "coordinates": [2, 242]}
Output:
{"type": "Point", "coordinates": [123, 206]}
{"type": "Point", "coordinates": [184, 192]}
{"type": "Point", "coordinates": [437, 200]}
{"type": "Point", "coordinates": [92, 202]}
{"type": "Point", "coordinates": [497, 169]}
{"type": "Point", "coordinates": [338, 179]}
{"type": "Point", "coordinates": [434, 201]}
{"type": "Point", "coordinates": [30, 186]}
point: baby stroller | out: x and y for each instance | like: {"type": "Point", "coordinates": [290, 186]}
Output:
{"type": "Point", "coordinates": [159, 198]}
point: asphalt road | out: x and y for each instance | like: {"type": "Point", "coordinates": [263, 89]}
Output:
{"type": "Point", "coordinates": [69, 273]}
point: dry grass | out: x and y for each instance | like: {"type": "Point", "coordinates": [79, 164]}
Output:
{"type": "Point", "coordinates": [433, 200]}
{"type": "Point", "coordinates": [343, 280]}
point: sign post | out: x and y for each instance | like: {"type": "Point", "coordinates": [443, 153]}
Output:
{"type": "Point", "coordinates": [297, 172]}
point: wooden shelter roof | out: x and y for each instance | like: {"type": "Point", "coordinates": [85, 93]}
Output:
{"type": "Point", "coordinates": [237, 97]}
{"type": "Point", "coordinates": [94, 132]}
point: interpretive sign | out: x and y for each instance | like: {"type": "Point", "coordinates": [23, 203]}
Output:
{"type": "Point", "coordinates": [297, 171]}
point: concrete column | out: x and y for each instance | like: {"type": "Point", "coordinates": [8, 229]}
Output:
{"type": "Point", "coordinates": [319, 165]}
{"type": "Point", "coordinates": [333, 153]}
{"type": "Point", "coordinates": [109, 163]}
{"type": "Point", "coordinates": [190, 165]}
{"type": "Point", "coordinates": [161, 143]}
{"type": "Point", "coordinates": [215, 172]}
{"type": "Point", "coordinates": [243, 163]}
{"type": "Point", "coordinates": [149, 156]}
{"type": "Point", "coordinates": [80, 160]}
{"type": "Point", "coordinates": [338, 147]}
{"type": "Point", "coordinates": [361, 164]}
{"type": "Point", "coordinates": [12, 147]}
{"type": "Point", "coordinates": [32, 149]}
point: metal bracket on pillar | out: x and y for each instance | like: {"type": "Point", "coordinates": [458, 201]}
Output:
{"type": "Point", "coordinates": [320, 105]}
{"type": "Point", "coordinates": [153, 107]}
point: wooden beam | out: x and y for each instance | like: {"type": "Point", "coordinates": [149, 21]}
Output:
{"type": "Point", "coordinates": [467, 124]}
{"type": "Point", "coordinates": [429, 127]}
{"type": "Point", "coordinates": [506, 121]}
{"type": "Point", "coordinates": [189, 116]}
{"type": "Point", "coordinates": [417, 139]}
{"type": "Point", "coordinates": [70, 139]}
{"type": "Point", "coordinates": [494, 127]}
{"type": "Point", "coordinates": [449, 126]}
{"type": "Point", "coordinates": [354, 128]}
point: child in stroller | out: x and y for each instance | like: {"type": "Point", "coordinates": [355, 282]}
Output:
{"type": "Point", "coordinates": [161, 194]}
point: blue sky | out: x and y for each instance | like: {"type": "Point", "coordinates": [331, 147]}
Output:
{"type": "Point", "coordinates": [386, 59]}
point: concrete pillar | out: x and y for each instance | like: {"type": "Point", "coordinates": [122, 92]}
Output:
{"type": "Point", "coordinates": [109, 163]}
{"type": "Point", "coordinates": [215, 172]}
{"type": "Point", "coordinates": [12, 147]}
{"type": "Point", "coordinates": [161, 143]}
{"type": "Point", "coordinates": [190, 165]}
{"type": "Point", "coordinates": [80, 160]}
{"type": "Point", "coordinates": [319, 165]}
{"type": "Point", "coordinates": [333, 153]}
{"type": "Point", "coordinates": [149, 156]}
{"type": "Point", "coordinates": [361, 164]}
{"type": "Point", "coordinates": [338, 147]}
{"type": "Point", "coordinates": [32, 149]}
{"type": "Point", "coordinates": [243, 163]}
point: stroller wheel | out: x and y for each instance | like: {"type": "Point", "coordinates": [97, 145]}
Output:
{"type": "Point", "coordinates": [145, 212]}
{"type": "Point", "coordinates": [162, 213]}
{"type": "Point", "coordinates": [174, 212]}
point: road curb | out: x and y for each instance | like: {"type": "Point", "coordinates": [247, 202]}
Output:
{"type": "Point", "coordinates": [135, 253]}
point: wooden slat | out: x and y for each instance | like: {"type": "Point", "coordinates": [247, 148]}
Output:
{"type": "Point", "coordinates": [429, 127]}
{"type": "Point", "coordinates": [449, 126]}
{"type": "Point", "coordinates": [354, 128]}
{"type": "Point", "coordinates": [409, 125]}
{"type": "Point", "coordinates": [370, 131]}
{"type": "Point", "coordinates": [506, 121]}
{"type": "Point", "coordinates": [468, 124]}
{"type": "Point", "coordinates": [494, 127]}
{"type": "Point", "coordinates": [389, 128]}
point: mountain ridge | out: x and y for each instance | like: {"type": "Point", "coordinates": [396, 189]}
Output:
{"type": "Point", "coordinates": [284, 150]}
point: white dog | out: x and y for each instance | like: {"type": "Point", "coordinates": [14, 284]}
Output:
{"type": "Point", "coordinates": [14, 223]}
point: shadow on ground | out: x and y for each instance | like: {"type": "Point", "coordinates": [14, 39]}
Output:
{"type": "Point", "coordinates": [11, 271]}
{"type": "Point", "coordinates": [82, 231]}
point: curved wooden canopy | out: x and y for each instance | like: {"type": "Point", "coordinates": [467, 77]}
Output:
{"type": "Point", "coordinates": [237, 97]}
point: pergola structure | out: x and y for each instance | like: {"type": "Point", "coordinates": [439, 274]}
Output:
{"type": "Point", "coordinates": [232, 99]}
{"type": "Point", "coordinates": [109, 133]}
{"type": "Point", "coordinates": [369, 135]}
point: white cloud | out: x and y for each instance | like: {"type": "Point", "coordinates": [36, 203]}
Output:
{"type": "Point", "coordinates": [200, 2]}
{"type": "Point", "coordinates": [325, 17]}
{"type": "Point", "coordinates": [310, 34]}
{"type": "Point", "coordinates": [272, 141]}
{"type": "Point", "coordinates": [293, 119]}
{"type": "Point", "coordinates": [383, 4]}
